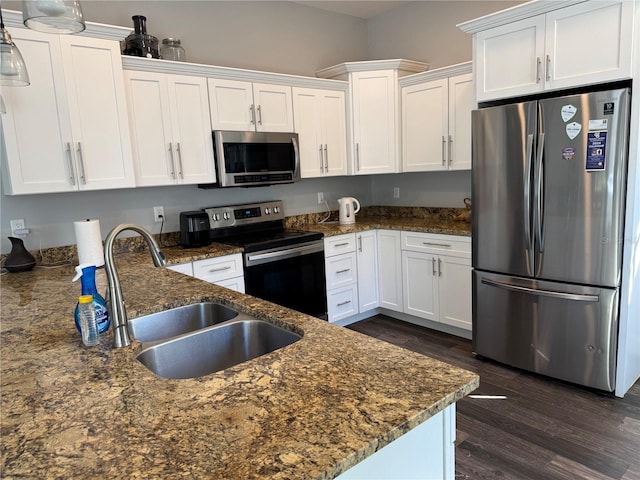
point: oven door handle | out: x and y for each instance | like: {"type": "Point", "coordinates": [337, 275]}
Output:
{"type": "Point", "coordinates": [289, 252]}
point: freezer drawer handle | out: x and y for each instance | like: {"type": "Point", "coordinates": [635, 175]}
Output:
{"type": "Point", "coordinates": [544, 293]}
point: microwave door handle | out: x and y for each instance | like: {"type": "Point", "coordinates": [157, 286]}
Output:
{"type": "Point", "coordinates": [296, 152]}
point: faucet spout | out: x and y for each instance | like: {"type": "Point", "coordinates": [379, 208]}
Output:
{"type": "Point", "coordinates": [118, 312]}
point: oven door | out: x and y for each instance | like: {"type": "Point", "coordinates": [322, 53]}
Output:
{"type": "Point", "coordinates": [291, 276]}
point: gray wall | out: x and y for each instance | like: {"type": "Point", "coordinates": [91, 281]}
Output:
{"type": "Point", "coordinates": [272, 36]}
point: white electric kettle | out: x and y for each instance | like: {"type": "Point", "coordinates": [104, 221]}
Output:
{"type": "Point", "coordinates": [348, 207]}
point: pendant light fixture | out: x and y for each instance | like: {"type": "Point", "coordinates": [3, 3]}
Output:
{"type": "Point", "coordinates": [53, 16]}
{"type": "Point", "coordinates": [13, 71]}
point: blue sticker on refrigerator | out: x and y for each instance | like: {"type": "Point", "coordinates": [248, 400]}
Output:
{"type": "Point", "coordinates": [596, 148]}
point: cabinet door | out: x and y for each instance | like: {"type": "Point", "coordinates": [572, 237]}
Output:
{"type": "Point", "coordinates": [334, 133]}
{"type": "Point", "coordinates": [273, 108]}
{"type": "Point", "coordinates": [420, 284]}
{"type": "Point", "coordinates": [367, 257]}
{"type": "Point", "coordinates": [191, 128]}
{"type": "Point", "coordinates": [40, 112]}
{"type": "Point", "coordinates": [374, 121]}
{"type": "Point", "coordinates": [508, 59]}
{"type": "Point", "coordinates": [184, 268]}
{"type": "Point", "coordinates": [231, 105]}
{"type": "Point", "coordinates": [424, 126]}
{"type": "Point", "coordinates": [455, 291]}
{"type": "Point", "coordinates": [307, 117]}
{"type": "Point", "coordinates": [461, 103]}
{"type": "Point", "coordinates": [589, 43]}
{"type": "Point", "coordinates": [98, 112]}
{"type": "Point", "coordinates": [390, 269]}
{"type": "Point", "coordinates": [150, 124]}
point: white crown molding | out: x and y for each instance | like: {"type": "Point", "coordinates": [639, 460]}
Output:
{"type": "Point", "coordinates": [13, 19]}
{"type": "Point", "coordinates": [437, 74]}
{"type": "Point", "coordinates": [405, 66]}
{"type": "Point", "coordinates": [513, 14]}
{"type": "Point", "coordinates": [228, 73]}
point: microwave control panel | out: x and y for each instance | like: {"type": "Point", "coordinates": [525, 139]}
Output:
{"type": "Point", "coordinates": [236, 215]}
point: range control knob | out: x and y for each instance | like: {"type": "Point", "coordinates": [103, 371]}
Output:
{"type": "Point", "coordinates": [216, 217]}
{"type": "Point", "coordinates": [225, 215]}
{"type": "Point", "coordinates": [276, 209]}
{"type": "Point", "coordinates": [267, 211]}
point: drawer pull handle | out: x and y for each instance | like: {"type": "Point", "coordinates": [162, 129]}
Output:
{"type": "Point", "coordinates": [437, 244]}
{"type": "Point", "coordinates": [219, 269]}
{"type": "Point", "coordinates": [344, 244]}
{"type": "Point", "coordinates": [343, 271]}
{"type": "Point", "coordinates": [342, 304]}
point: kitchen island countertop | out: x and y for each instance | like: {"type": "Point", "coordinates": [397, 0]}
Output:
{"type": "Point", "coordinates": [308, 411]}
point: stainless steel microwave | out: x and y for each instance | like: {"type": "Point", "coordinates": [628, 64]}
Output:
{"type": "Point", "coordinates": [248, 159]}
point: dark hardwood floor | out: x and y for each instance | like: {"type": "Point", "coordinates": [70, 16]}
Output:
{"type": "Point", "coordinates": [544, 429]}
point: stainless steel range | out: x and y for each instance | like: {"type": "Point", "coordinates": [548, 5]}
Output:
{"type": "Point", "coordinates": [280, 265]}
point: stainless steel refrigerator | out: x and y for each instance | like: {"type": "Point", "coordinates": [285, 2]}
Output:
{"type": "Point", "coordinates": [549, 183]}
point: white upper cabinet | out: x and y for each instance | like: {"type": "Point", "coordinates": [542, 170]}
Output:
{"type": "Point", "coordinates": [436, 121]}
{"type": "Point", "coordinates": [320, 121]}
{"type": "Point", "coordinates": [247, 106]}
{"type": "Point", "coordinates": [581, 44]}
{"type": "Point", "coordinates": [68, 130]}
{"type": "Point", "coordinates": [170, 128]}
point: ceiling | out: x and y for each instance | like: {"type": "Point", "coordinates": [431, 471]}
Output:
{"type": "Point", "coordinates": [357, 8]}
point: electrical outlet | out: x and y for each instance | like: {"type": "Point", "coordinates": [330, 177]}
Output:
{"type": "Point", "coordinates": [396, 192]}
{"type": "Point", "coordinates": [158, 214]}
{"type": "Point", "coordinates": [17, 224]}
{"type": "Point", "coordinates": [320, 197]}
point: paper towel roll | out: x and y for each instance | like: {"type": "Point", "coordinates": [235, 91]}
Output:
{"type": "Point", "coordinates": [89, 242]}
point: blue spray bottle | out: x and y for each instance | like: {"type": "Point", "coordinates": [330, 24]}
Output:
{"type": "Point", "coordinates": [86, 272]}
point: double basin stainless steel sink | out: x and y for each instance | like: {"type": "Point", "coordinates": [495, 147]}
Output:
{"type": "Point", "coordinates": [203, 338]}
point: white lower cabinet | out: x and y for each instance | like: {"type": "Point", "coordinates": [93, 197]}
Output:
{"type": "Point", "coordinates": [367, 263]}
{"type": "Point", "coordinates": [436, 273]}
{"type": "Point", "coordinates": [341, 276]}
{"type": "Point", "coordinates": [390, 270]}
{"type": "Point", "coordinates": [225, 271]}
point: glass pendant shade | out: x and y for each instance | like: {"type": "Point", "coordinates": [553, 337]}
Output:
{"type": "Point", "coordinates": [53, 16]}
{"type": "Point", "coordinates": [13, 71]}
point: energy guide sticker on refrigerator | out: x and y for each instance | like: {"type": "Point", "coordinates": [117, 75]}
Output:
{"type": "Point", "coordinates": [549, 182]}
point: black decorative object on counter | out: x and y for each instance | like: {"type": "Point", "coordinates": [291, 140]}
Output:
{"type": "Point", "coordinates": [139, 43]}
{"type": "Point", "coordinates": [19, 259]}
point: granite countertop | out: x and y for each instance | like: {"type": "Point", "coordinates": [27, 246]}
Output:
{"type": "Point", "coordinates": [308, 411]}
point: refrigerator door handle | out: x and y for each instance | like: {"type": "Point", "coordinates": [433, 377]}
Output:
{"type": "Point", "coordinates": [539, 195]}
{"type": "Point", "coordinates": [544, 293]}
{"type": "Point", "coordinates": [528, 237]}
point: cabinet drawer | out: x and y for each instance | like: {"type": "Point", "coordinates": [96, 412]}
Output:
{"type": "Point", "coordinates": [185, 268]}
{"type": "Point", "coordinates": [340, 270]}
{"type": "Point", "coordinates": [339, 244]}
{"type": "Point", "coordinates": [217, 269]}
{"type": "Point", "coordinates": [235, 283]}
{"type": "Point", "coordinates": [436, 243]}
{"type": "Point", "coordinates": [342, 302]}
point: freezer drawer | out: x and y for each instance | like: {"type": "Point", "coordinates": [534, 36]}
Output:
{"type": "Point", "coordinates": [568, 332]}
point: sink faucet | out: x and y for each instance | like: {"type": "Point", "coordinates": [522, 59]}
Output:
{"type": "Point", "coordinates": [117, 311]}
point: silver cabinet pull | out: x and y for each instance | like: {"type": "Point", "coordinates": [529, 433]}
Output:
{"type": "Point", "coordinates": [433, 266]}
{"type": "Point", "coordinates": [321, 160]}
{"type": "Point", "coordinates": [219, 269]}
{"type": "Point", "coordinates": [252, 112]}
{"type": "Point", "coordinates": [344, 244]}
{"type": "Point", "coordinates": [259, 115]}
{"type": "Point", "coordinates": [450, 149]}
{"type": "Point", "coordinates": [444, 143]}
{"type": "Point", "coordinates": [544, 293]}
{"type": "Point", "coordinates": [81, 164]}
{"type": "Point", "coordinates": [172, 163]}
{"type": "Point", "coordinates": [437, 244]}
{"type": "Point", "coordinates": [72, 176]}
{"type": "Point", "coordinates": [357, 157]}
{"type": "Point", "coordinates": [343, 270]}
{"type": "Point", "coordinates": [173, 170]}
{"type": "Point", "coordinates": [360, 244]}
{"type": "Point", "coordinates": [180, 172]}
{"type": "Point", "coordinates": [538, 68]}
{"type": "Point", "coordinates": [439, 267]}
{"type": "Point", "coordinates": [342, 304]}
{"type": "Point", "coordinates": [326, 159]}
{"type": "Point", "coordinates": [548, 68]}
